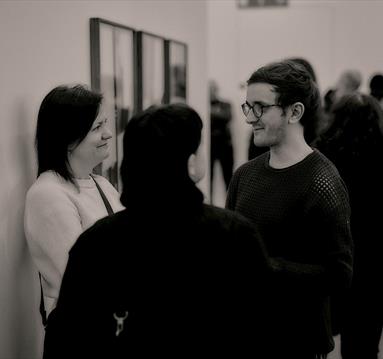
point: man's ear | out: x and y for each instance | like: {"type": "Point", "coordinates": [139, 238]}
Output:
{"type": "Point", "coordinates": [297, 110]}
{"type": "Point", "coordinates": [192, 169]}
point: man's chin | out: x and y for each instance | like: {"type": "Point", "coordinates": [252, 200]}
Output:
{"type": "Point", "coordinates": [260, 144]}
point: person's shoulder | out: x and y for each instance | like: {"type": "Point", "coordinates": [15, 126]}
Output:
{"type": "Point", "coordinates": [101, 180]}
{"type": "Point", "coordinates": [327, 180]}
{"type": "Point", "coordinates": [48, 186]}
{"type": "Point", "coordinates": [103, 233]}
{"type": "Point", "coordinates": [323, 165]}
{"type": "Point", "coordinates": [252, 164]}
{"type": "Point", "coordinates": [105, 184]}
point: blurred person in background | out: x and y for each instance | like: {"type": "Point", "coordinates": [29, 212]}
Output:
{"type": "Point", "coordinates": [349, 82]}
{"type": "Point", "coordinates": [221, 149]}
{"type": "Point", "coordinates": [354, 143]}
{"type": "Point", "coordinates": [376, 88]}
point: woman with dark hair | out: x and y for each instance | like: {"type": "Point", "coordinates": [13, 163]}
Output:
{"type": "Point", "coordinates": [71, 139]}
{"type": "Point", "coordinates": [354, 142]}
{"type": "Point", "coordinates": [178, 277]}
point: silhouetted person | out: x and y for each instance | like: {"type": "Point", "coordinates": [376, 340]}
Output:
{"type": "Point", "coordinates": [376, 88]}
{"type": "Point", "coordinates": [221, 142]}
{"type": "Point", "coordinates": [354, 143]}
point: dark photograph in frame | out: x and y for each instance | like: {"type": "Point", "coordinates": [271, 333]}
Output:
{"type": "Point", "coordinates": [151, 70]}
{"type": "Point", "coordinates": [176, 55]}
{"type": "Point", "coordinates": [112, 74]}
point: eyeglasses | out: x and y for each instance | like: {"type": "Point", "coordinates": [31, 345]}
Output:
{"type": "Point", "coordinates": [257, 109]}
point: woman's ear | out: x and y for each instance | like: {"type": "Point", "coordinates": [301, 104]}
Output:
{"type": "Point", "coordinates": [192, 167]}
{"type": "Point", "coordinates": [297, 111]}
{"type": "Point", "coordinates": [72, 146]}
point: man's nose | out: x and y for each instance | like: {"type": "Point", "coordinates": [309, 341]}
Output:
{"type": "Point", "coordinates": [107, 134]}
{"type": "Point", "coordinates": [251, 119]}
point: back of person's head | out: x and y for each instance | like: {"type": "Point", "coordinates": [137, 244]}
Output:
{"type": "Point", "coordinates": [376, 86]}
{"type": "Point", "coordinates": [158, 143]}
{"type": "Point", "coordinates": [356, 127]}
{"type": "Point", "coordinates": [306, 64]}
{"type": "Point", "coordinates": [292, 83]}
{"type": "Point", "coordinates": [349, 81]}
{"type": "Point", "coordinates": [65, 117]}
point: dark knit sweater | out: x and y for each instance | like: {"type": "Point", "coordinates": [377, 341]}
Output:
{"type": "Point", "coordinates": [302, 213]}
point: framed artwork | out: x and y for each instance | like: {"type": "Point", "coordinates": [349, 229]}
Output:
{"type": "Point", "coordinates": [260, 3]}
{"type": "Point", "coordinates": [113, 56]}
{"type": "Point", "coordinates": [176, 65]}
{"type": "Point", "coordinates": [151, 70]}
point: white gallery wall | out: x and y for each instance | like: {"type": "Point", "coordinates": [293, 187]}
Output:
{"type": "Point", "coordinates": [43, 44]}
{"type": "Point", "coordinates": [333, 35]}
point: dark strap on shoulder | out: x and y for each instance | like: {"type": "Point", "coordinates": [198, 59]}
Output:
{"type": "Point", "coordinates": [105, 200]}
{"type": "Point", "coordinates": [42, 306]}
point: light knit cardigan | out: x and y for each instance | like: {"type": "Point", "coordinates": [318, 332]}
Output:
{"type": "Point", "coordinates": [56, 213]}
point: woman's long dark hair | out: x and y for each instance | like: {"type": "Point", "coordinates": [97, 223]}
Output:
{"type": "Point", "coordinates": [65, 117]}
{"type": "Point", "coordinates": [157, 145]}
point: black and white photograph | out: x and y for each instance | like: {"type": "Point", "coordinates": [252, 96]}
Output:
{"type": "Point", "coordinates": [191, 178]}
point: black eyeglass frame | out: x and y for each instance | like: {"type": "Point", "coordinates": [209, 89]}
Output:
{"type": "Point", "coordinates": [257, 108]}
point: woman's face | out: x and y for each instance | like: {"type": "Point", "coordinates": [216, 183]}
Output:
{"type": "Point", "coordinates": [94, 148]}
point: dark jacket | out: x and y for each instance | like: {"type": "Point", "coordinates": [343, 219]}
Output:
{"type": "Point", "coordinates": [189, 277]}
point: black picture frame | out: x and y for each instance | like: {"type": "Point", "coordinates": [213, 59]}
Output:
{"type": "Point", "coordinates": [177, 70]}
{"type": "Point", "coordinates": [151, 71]}
{"type": "Point", "coordinates": [113, 73]}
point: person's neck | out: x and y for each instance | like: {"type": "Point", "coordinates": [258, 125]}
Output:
{"type": "Point", "coordinates": [79, 169]}
{"type": "Point", "coordinates": [289, 153]}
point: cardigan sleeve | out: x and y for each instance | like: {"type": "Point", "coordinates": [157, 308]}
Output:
{"type": "Point", "coordinates": [52, 225]}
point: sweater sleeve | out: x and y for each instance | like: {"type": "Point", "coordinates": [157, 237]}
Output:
{"type": "Point", "coordinates": [52, 225]}
{"type": "Point", "coordinates": [330, 206]}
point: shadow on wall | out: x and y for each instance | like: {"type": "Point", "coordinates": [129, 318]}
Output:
{"type": "Point", "coordinates": [21, 332]}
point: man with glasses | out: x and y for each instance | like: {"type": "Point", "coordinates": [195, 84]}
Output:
{"type": "Point", "coordinates": [300, 206]}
